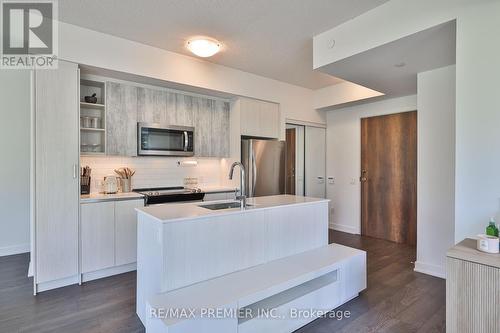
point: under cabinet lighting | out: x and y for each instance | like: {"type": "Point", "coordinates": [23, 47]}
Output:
{"type": "Point", "coordinates": [187, 163]}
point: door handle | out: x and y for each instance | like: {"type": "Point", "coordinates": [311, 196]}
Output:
{"type": "Point", "coordinates": [363, 177]}
{"type": "Point", "coordinates": [75, 170]}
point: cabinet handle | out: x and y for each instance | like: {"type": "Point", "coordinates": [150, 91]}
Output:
{"type": "Point", "coordinates": [75, 169]}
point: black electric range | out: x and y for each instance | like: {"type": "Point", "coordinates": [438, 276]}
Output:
{"type": "Point", "coordinates": [161, 195]}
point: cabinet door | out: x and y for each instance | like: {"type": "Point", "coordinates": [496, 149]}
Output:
{"type": "Point", "coordinates": [57, 191]}
{"type": "Point", "coordinates": [121, 119]}
{"type": "Point", "coordinates": [220, 129]}
{"type": "Point", "coordinates": [184, 110]}
{"type": "Point", "coordinates": [126, 231]}
{"type": "Point", "coordinates": [315, 161]}
{"type": "Point", "coordinates": [259, 119]}
{"type": "Point", "coordinates": [203, 132]}
{"type": "Point", "coordinates": [269, 120]}
{"type": "Point", "coordinates": [151, 105]}
{"type": "Point", "coordinates": [97, 236]}
{"type": "Point", "coordinates": [250, 117]}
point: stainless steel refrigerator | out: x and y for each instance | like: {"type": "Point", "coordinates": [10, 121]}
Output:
{"type": "Point", "coordinates": [264, 162]}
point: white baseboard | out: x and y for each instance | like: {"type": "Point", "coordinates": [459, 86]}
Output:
{"type": "Point", "coordinates": [44, 286]}
{"type": "Point", "coordinates": [108, 272]}
{"type": "Point", "coordinates": [30, 269]}
{"type": "Point", "coordinates": [430, 269]}
{"type": "Point", "coordinates": [14, 249]}
{"type": "Point", "coordinates": [344, 228]}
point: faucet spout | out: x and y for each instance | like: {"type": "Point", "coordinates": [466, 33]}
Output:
{"type": "Point", "coordinates": [242, 190]}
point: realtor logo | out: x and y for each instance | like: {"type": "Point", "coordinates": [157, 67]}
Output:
{"type": "Point", "coordinates": [29, 38]}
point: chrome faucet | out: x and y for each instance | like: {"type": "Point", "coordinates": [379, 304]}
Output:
{"type": "Point", "coordinates": [242, 198]}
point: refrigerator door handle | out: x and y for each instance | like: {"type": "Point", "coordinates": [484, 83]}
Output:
{"type": "Point", "coordinates": [254, 174]}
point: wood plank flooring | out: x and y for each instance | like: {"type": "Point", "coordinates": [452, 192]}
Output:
{"type": "Point", "coordinates": [397, 299]}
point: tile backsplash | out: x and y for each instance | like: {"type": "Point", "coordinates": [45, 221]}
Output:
{"type": "Point", "coordinates": [155, 171]}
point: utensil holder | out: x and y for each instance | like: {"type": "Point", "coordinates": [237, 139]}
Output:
{"type": "Point", "coordinates": [126, 185]}
{"type": "Point", "coordinates": [85, 185]}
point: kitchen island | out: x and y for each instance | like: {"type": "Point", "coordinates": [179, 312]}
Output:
{"type": "Point", "coordinates": [187, 244]}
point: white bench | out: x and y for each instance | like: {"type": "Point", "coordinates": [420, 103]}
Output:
{"type": "Point", "coordinates": [319, 279]}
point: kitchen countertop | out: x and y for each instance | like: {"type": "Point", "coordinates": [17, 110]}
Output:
{"type": "Point", "coordinates": [100, 197]}
{"type": "Point", "coordinates": [466, 250]}
{"type": "Point", "coordinates": [190, 211]}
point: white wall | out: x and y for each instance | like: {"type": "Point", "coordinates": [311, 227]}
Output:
{"type": "Point", "coordinates": [436, 169]}
{"type": "Point", "coordinates": [477, 180]}
{"type": "Point", "coordinates": [343, 147]}
{"type": "Point", "coordinates": [341, 93]}
{"type": "Point", "coordinates": [15, 161]}
{"type": "Point", "coordinates": [477, 192]}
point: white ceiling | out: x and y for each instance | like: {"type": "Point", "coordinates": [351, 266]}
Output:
{"type": "Point", "coordinates": [376, 68]}
{"type": "Point", "coordinates": [272, 38]}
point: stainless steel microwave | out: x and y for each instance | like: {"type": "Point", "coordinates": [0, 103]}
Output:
{"type": "Point", "coordinates": [164, 140]}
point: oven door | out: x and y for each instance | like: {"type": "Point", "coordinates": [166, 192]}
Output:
{"type": "Point", "coordinates": [164, 140]}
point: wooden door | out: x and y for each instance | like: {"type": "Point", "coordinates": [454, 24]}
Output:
{"type": "Point", "coordinates": [57, 192]}
{"type": "Point", "coordinates": [290, 161]}
{"type": "Point", "coordinates": [389, 177]}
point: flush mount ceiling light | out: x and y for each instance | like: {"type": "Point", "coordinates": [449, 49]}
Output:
{"type": "Point", "coordinates": [203, 47]}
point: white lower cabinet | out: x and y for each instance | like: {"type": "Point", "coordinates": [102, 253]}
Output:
{"type": "Point", "coordinates": [126, 231]}
{"type": "Point", "coordinates": [97, 236]}
{"type": "Point", "coordinates": [108, 234]}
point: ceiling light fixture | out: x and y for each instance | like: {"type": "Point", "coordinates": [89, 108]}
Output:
{"type": "Point", "coordinates": [203, 47]}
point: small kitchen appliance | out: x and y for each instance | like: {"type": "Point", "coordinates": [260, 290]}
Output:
{"type": "Point", "coordinates": [164, 140]}
{"type": "Point", "coordinates": [110, 184]}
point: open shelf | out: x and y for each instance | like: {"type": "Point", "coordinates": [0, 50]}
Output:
{"type": "Point", "coordinates": [92, 105]}
{"type": "Point", "coordinates": [92, 117]}
{"type": "Point", "coordinates": [92, 129]}
{"type": "Point", "coordinates": [288, 296]}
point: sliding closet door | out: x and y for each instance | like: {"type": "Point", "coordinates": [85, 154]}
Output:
{"type": "Point", "coordinates": [315, 165]}
{"type": "Point", "coordinates": [56, 173]}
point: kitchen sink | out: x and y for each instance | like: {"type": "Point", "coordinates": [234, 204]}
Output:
{"type": "Point", "coordinates": [223, 205]}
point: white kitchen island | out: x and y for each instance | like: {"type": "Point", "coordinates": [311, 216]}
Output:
{"type": "Point", "coordinates": [182, 246]}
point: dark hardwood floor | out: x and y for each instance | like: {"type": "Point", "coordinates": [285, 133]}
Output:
{"type": "Point", "coordinates": [397, 299]}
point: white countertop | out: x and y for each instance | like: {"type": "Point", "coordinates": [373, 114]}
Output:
{"type": "Point", "coordinates": [188, 211]}
{"type": "Point", "coordinates": [99, 197]}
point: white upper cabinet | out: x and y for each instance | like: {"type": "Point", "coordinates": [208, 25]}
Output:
{"type": "Point", "coordinates": [259, 119]}
{"type": "Point", "coordinates": [57, 191]}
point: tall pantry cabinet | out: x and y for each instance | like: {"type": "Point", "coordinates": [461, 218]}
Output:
{"type": "Point", "coordinates": [55, 207]}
